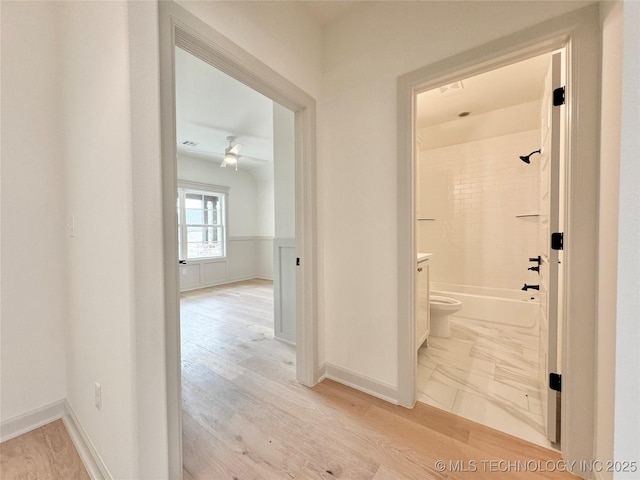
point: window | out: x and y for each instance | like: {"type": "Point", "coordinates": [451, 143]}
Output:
{"type": "Point", "coordinates": [201, 222]}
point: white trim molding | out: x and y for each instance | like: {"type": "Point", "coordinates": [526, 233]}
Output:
{"type": "Point", "coordinates": [88, 453]}
{"type": "Point", "coordinates": [360, 382]}
{"type": "Point", "coordinates": [205, 187]}
{"type": "Point", "coordinates": [26, 422]}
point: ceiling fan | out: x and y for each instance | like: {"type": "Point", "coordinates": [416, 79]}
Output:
{"type": "Point", "coordinates": [230, 157]}
{"type": "Point", "coordinates": [231, 153]}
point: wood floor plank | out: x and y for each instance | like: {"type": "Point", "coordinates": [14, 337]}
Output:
{"type": "Point", "coordinates": [246, 416]}
{"type": "Point", "coordinates": [46, 453]}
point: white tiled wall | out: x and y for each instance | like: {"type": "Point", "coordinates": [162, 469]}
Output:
{"type": "Point", "coordinates": [473, 192]}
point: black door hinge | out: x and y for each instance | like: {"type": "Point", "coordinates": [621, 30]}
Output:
{"type": "Point", "coordinates": [555, 382]}
{"type": "Point", "coordinates": [558, 97]}
{"type": "Point", "coordinates": [297, 261]}
{"type": "Point", "coordinates": [557, 241]}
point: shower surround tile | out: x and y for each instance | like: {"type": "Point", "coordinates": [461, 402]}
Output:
{"type": "Point", "coordinates": [487, 373]}
{"type": "Point", "coordinates": [474, 191]}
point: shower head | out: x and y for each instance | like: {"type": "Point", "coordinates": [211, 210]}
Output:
{"type": "Point", "coordinates": [525, 158]}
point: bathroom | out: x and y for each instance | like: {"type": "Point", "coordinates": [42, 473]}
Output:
{"type": "Point", "coordinates": [478, 213]}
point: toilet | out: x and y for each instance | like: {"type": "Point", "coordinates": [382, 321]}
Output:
{"type": "Point", "coordinates": [440, 309]}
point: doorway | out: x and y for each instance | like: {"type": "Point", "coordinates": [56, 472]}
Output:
{"type": "Point", "coordinates": [178, 28]}
{"type": "Point", "coordinates": [236, 187]}
{"type": "Point", "coordinates": [483, 215]}
{"type": "Point", "coordinates": [578, 33]}
{"type": "Point", "coordinates": [236, 238]}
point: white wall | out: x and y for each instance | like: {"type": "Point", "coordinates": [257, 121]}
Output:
{"type": "Point", "coordinates": [474, 191]}
{"type": "Point", "coordinates": [78, 94]}
{"type": "Point", "coordinates": [617, 419]}
{"type": "Point", "coordinates": [284, 172]}
{"type": "Point", "coordinates": [280, 34]}
{"type": "Point", "coordinates": [266, 220]}
{"type": "Point", "coordinates": [265, 210]}
{"type": "Point", "coordinates": [34, 258]}
{"type": "Point", "coordinates": [96, 123]}
{"type": "Point", "coordinates": [242, 207]}
{"type": "Point", "coordinates": [627, 391]}
{"type": "Point", "coordinates": [365, 53]}
{"type": "Point", "coordinates": [517, 118]}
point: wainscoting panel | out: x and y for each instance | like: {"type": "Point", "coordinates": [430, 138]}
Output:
{"type": "Point", "coordinates": [214, 273]}
{"type": "Point", "coordinates": [284, 288]}
{"type": "Point", "coordinates": [265, 257]}
{"type": "Point", "coordinates": [242, 258]}
{"type": "Point", "coordinates": [247, 257]}
{"type": "Point", "coordinates": [190, 276]}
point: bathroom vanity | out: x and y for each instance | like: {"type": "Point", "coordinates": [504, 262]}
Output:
{"type": "Point", "coordinates": [422, 298]}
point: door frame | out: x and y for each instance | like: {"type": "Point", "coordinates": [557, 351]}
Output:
{"type": "Point", "coordinates": [578, 32]}
{"type": "Point", "coordinates": [177, 27]}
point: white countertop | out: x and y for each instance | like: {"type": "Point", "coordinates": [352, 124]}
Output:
{"type": "Point", "coordinates": [424, 256]}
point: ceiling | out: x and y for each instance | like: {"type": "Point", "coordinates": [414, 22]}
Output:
{"type": "Point", "coordinates": [511, 85]}
{"type": "Point", "coordinates": [326, 11]}
{"type": "Point", "coordinates": [211, 105]}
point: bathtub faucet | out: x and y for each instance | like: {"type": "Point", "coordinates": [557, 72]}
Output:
{"type": "Point", "coordinates": [533, 287]}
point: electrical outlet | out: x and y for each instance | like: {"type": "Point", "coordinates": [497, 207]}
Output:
{"type": "Point", "coordinates": [98, 395]}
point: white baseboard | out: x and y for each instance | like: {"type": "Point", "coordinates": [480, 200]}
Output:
{"type": "Point", "coordinates": [225, 282]}
{"type": "Point", "coordinates": [284, 340]}
{"type": "Point", "coordinates": [26, 422]}
{"type": "Point", "coordinates": [241, 278]}
{"type": "Point", "coordinates": [322, 372]}
{"type": "Point", "coordinates": [360, 382]}
{"type": "Point", "coordinates": [94, 464]}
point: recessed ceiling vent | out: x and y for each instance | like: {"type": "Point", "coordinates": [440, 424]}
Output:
{"type": "Point", "coordinates": [455, 87]}
{"type": "Point", "coordinates": [189, 143]}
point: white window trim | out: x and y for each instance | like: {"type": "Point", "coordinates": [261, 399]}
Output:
{"type": "Point", "coordinates": [206, 188]}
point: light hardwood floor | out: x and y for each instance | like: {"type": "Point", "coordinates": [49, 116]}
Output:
{"type": "Point", "coordinates": [46, 453]}
{"type": "Point", "coordinates": [245, 417]}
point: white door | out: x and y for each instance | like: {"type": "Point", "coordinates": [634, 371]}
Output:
{"type": "Point", "coordinates": [550, 222]}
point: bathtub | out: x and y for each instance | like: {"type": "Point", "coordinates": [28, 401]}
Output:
{"type": "Point", "coordinates": [493, 305]}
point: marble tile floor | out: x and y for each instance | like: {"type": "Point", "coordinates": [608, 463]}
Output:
{"type": "Point", "coordinates": [487, 373]}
